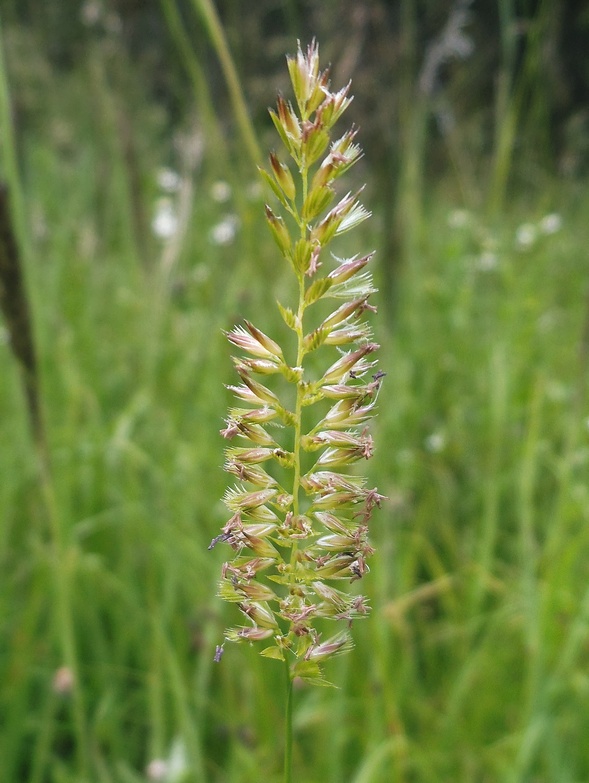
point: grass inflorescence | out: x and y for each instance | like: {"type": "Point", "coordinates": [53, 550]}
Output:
{"type": "Point", "coordinates": [293, 539]}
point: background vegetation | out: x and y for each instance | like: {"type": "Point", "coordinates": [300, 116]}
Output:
{"type": "Point", "coordinates": [130, 166]}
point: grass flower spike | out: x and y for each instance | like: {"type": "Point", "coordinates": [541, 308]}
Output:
{"type": "Point", "coordinates": [299, 517]}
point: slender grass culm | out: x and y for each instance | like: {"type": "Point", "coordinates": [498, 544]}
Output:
{"type": "Point", "coordinates": [297, 523]}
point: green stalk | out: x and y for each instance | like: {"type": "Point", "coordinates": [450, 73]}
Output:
{"type": "Point", "coordinates": [295, 494]}
{"type": "Point", "coordinates": [63, 564]}
{"type": "Point", "coordinates": [288, 726]}
{"type": "Point", "coordinates": [298, 405]}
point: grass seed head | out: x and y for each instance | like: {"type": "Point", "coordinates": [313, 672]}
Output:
{"type": "Point", "coordinates": [299, 518]}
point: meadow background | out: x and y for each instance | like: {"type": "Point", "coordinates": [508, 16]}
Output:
{"type": "Point", "coordinates": [129, 137]}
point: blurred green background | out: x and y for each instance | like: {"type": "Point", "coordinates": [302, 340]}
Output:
{"type": "Point", "coordinates": [130, 132]}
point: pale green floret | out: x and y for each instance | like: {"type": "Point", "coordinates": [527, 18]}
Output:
{"type": "Point", "coordinates": [358, 287]}
{"type": "Point", "coordinates": [251, 590]}
{"type": "Point", "coordinates": [253, 474]}
{"type": "Point", "coordinates": [244, 340]}
{"type": "Point", "coordinates": [348, 267]}
{"type": "Point", "coordinates": [261, 392]}
{"type": "Point", "coordinates": [239, 499]}
{"type": "Point", "coordinates": [349, 334]}
{"type": "Point", "coordinates": [304, 75]}
{"type": "Point", "coordinates": [336, 104]}
{"type": "Point", "coordinates": [339, 369]}
{"type": "Point", "coordinates": [279, 231]}
{"type": "Point", "coordinates": [249, 455]}
{"type": "Point", "coordinates": [283, 177]}
{"type": "Point", "coordinates": [358, 214]}
{"type": "Point", "coordinates": [288, 126]}
{"type": "Point", "coordinates": [319, 198]}
{"type": "Point", "coordinates": [248, 634]}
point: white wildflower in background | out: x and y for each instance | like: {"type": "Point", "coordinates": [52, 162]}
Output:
{"type": "Point", "coordinates": [177, 761]}
{"type": "Point", "coordinates": [487, 261]}
{"type": "Point", "coordinates": [91, 13]}
{"type": "Point", "coordinates": [63, 681]}
{"type": "Point", "coordinates": [169, 180]}
{"type": "Point", "coordinates": [221, 191]}
{"type": "Point", "coordinates": [157, 770]}
{"type": "Point", "coordinates": [550, 224]}
{"type": "Point", "coordinates": [526, 236]}
{"type": "Point", "coordinates": [165, 220]}
{"type": "Point", "coordinates": [254, 191]}
{"type": "Point", "coordinates": [224, 232]}
{"type": "Point", "coordinates": [435, 443]}
{"type": "Point", "coordinates": [459, 218]}
{"type": "Point", "coordinates": [170, 770]}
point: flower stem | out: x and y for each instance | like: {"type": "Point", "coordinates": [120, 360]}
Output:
{"type": "Point", "coordinates": [288, 726]}
{"type": "Point", "coordinates": [299, 362]}
{"type": "Point", "coordinates": [298, 404]}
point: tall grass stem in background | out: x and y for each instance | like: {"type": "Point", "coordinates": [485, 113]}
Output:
{"type": "Point", "coordinates": [288, 733]}
{"type": "Point", "coordinates": [9, 170]}
{"type": "Point", "coordinates": [303, 524]}
{"type": "Point", "coordinates": [508, 104]}
{"type": "Point", "coordinates": [520, 103]}
{"type": "Point", "coordinates": [208, 13]}
{"type": "Point", "coordinates": [14, 305]}
{"type": "Point", "coordinates": [202, 94]}
{"type": "Point", "coordinates": [17, 312]}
